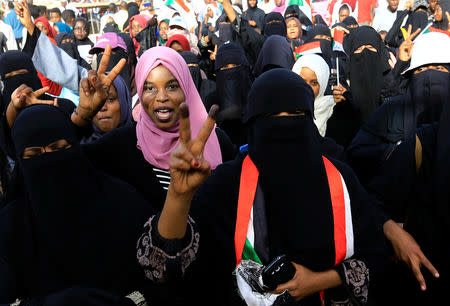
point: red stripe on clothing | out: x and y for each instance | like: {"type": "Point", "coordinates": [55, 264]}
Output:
{"type": "Point", "coordinates": [338, 203]}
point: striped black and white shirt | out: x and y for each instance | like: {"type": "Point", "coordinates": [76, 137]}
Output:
{"type": "Point", "coordinates": [163, 177]}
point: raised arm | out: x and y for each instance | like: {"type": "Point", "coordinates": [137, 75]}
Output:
{"type": "Point", "coordinates": [188, 170]}
{"type": "Point", "coordinates": [94, 89]}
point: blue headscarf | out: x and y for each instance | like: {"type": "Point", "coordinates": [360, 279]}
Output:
{"type": "Point", "coordinates": [63, 27]}
{"type": "Point", "coordinates": [126, 117]}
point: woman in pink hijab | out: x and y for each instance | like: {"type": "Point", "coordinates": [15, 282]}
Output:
{"type": "Point", "coordinates": [280, 6]}
{"type": "Point", "coordinates": [139, 154]}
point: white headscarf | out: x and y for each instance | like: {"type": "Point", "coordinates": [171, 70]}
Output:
{"type": "Point", "coordinates": [323, 105]}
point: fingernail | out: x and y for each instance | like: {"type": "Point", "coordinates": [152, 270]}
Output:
{"type": "Point", "coordinates": [423, 288]}
{"type": "Point", "coordinates": [196, 163]}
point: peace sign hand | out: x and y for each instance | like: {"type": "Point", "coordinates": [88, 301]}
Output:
{"type": "Point", "coordinates": [188, 169]}
{"type": "Point", "coordinates": [405, 49]}
{"type": "Point", "coordinates": [94, 89]}
{"type": "Point", "coordinates": [22, 97]}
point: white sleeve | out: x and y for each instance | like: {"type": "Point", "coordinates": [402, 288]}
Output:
{"type": "Point", "coordinates": [11, 42]}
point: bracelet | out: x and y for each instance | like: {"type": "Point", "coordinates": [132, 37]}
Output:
{"type": "Point", "coordinates": [82, 117]}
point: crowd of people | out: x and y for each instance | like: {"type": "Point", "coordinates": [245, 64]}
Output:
{"type": "Point", "coordinates": [264, 152]}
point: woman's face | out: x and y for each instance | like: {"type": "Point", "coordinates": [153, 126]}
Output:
{"type": "Point", "coordinates": [177, 47]}
{"type": "Point", "coordinates": [310, 77]}
{"type": "Point", "coordinates": [278, 2]}
{"type": "Point", "coordinates": [41, 26]}
{"type": "Point", "coordinates": [438, 13]}
{"type": "Point", "coordinates": [163, 29]}
{"type": "Point", "coordinates": [79, 30]}
{"type": "Point", "coordinates": [161, 97]}
{"type": "Point", "coordinates": [293, 32]}
{"type": "Point", "coordinates": [210, 12]}
{"type": "Point", "coordinates": [343, 13]}
{"type": "Point", "coordinates": [251, 3]}
{"type": "Point", "coordinates": [135, 28]}
{"type": "Point", "coordinates": [108, 117]}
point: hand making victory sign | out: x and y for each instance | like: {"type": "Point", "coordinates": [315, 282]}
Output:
{"type": "Point", "coordinates": [22, 97]}
{"type": "Point", "coordinates": [405, 49]}
{"type": "Point", "coordinates": [188, 170]}
{"type": "Point", "coordinates": [94, 89]}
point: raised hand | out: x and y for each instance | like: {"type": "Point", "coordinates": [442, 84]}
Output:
{"type": "Point", "coordinates": [22, 97]}
{"type": "Point", "coordinates": [338, 93]}
{"type": "Point", "coordinates": [188, 169]}
{"type": "Point", "coordinates": [94, 89]}
{"type": "Point", "coordinates": [24, 15]}
{"type": "Point", "coordinates": [405, 49]}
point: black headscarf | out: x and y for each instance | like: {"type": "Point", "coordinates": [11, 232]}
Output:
{"type": "Point", "coordinates": [427, 93]}
{"type": "Point", "coordinates": [226, 32]}
{"type": "Point", "coordinates": [194, 69]}
{"type": "Point", "coordinates": [71, 49]}
{"type": "Point", "coordinates": [319, 20]}
{"type": "Point", "coordinates": [274, 25]}
{"type": "Point", "coordinates": [15, 60]}
{"type": "Point", "coordinates": [126, 118]}
{"type": "Point", "coordinates": [256, 14]}
{"type": "Point", "coordinates": [133, 9]}
{"type": "Point", "coordinates": [366, 69]}
{"type": "Point", "coordinates": [232, 85]}
{"type": "Point", "coordinates": [276, 52]}
{"type": "Point", "coordinates": [85, 224]}
{"type": "Point", "coordinates": [111, 27]}
{"type": "Point", "coordinates": [350, 23]}
{"type": "Point", "coordinates": [297, 206]}
{"type": "Point", "coordinates": [295, 11]}
{"type": "Point", "coordinates": [326, 46]}
{"type": "Point", "coordinates": [417, 19]}
{"type": "Point", "coordinates": [86, 40]}
{"type": "Point", "coordinates": [118, 54]}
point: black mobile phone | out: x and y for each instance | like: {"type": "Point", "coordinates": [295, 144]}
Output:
{"type": "Point", "coordinates": [278, 271]}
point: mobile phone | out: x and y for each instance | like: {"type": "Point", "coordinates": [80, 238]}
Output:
{"type": "Point", "coordinates": [278, 271]}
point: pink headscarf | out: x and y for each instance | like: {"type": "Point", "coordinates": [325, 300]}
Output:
{"type": "Point", "coordinates": [156, 144]}
{"type": "Point", "coordinates": [280, 9]}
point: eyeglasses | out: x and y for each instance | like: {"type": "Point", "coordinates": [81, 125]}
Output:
{"type": "Point", "coordinates": [80, 29]}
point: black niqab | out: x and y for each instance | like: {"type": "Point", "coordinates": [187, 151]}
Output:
{"type": "Point", "coordinates": [298, 207]}
{"type": "Point", "coordinates": [71, 49]}
{"type": "Point", "coordinates": [233, 84]}
{"type": "Point", "coordinates": [194, 68]}
{"type": "Point", "coordinates": [427, 93]}
{"type": "Point", "coordinates": [15, 60]}
{"type": "Point", "coordinates": [326, 46]}
{"type": "Point", "coordinates": [366, 70]}
{"type": "Point", "coordinates": [274, 25]}
{"type": "Point", "coordinates": [85, 223]}
{"type": "Point", "coordinates": [116, 56]}
{"type": "Point", "coordinates": [319, 20]}
{"type": "Point", "coordinates": [417, 19]}
{"type": "Point", "coordinates": [276, 52]}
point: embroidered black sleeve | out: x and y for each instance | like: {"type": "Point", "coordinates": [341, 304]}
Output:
{"type": "Point", "coordinates": [355, 276]}
{"type": "Point", "coordinates": [166, 259]}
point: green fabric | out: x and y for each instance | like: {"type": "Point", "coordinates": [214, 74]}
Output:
{"type": "Point", "coordinates": [249, 252]}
